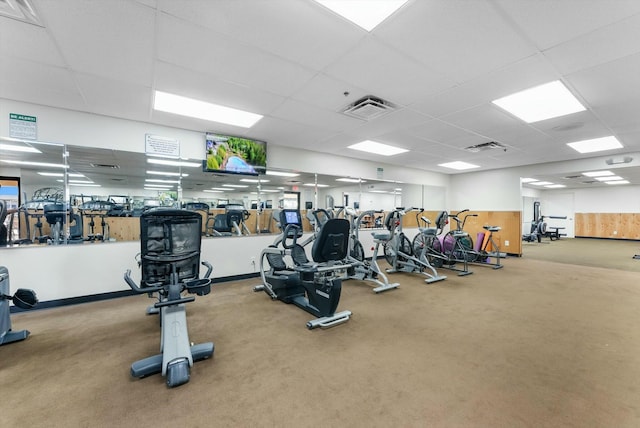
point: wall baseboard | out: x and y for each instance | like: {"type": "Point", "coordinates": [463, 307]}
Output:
{"type": "Point", "coordinates": [114, 295]}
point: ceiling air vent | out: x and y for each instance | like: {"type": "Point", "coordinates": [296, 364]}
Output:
{"type": "Point", "coordinates": [570, 177]}
{"type": "Point", "coordinates": [485, 146]}
{"type": "Point", "coordinates": [104, 165]}
{"type": "Point", "coordinates": [368, 108]}
{"type": "Point", "coordinates": [589, 182]}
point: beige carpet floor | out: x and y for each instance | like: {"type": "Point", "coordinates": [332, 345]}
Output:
{"type": "Point", "coordinates": [537, 344]}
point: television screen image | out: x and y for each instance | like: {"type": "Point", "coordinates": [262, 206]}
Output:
{"type": "Point", "coordinates": [236, 155]}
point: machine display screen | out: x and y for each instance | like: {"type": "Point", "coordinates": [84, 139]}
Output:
{"type": "Point", "coordinates": [292, 217]}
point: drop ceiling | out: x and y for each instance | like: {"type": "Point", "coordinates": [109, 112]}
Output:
{"type": "Point", "coordinates": [439, 62]}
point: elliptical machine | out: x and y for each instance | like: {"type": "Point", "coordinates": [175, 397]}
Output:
{"type": "Point", "coordinates": [23, 298]}
{"type": "Point", "coordinates": [170, 261]}
{"type": "Point", "coordinates": [365, 270]}
{"type": "Point", "coordinates": [399, 252]}
{"type": "Point", "coordinates": [313, 287]}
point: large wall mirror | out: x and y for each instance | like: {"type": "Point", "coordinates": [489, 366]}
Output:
{"type": "Point", "coordinates": [104, 189]}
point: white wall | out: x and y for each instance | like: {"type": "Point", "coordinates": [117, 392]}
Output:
{"type": "Point", "coordinates": [496, 190]}
{"type": "Point", "coordinates": [610, 199]}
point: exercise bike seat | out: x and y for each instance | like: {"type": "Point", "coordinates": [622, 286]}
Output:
{"type": "Point", "coordinates": [492, 228]}
{"type": "Point", "coordinates": [431, 231]}
{"type": "Point", "coordinates": [381, 235]}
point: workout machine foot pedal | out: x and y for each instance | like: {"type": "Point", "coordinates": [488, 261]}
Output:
{"type": "Point", "coordinates": [498, 267]}
{"type": "Point", "coordinates": [328, 322]}
{"type": "Point", "coordinates": [147, 366]}
{"type": "Point", "coordinates": [202, 351]}
{"type": "Point", "coordinates": [435, 279]}
{"type": "Point", "coordinates": [494, 254]}
{"type": "Point", "coordinates": [14, 336]}
{"type": "Point", "coordinates": [178, 372]}
{"type": "Point", "coordinates": [386, 287]}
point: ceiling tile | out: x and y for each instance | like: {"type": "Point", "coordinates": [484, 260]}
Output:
{"type": "Point", "coordinates": [300, 31]}
{"type": "Point", "coordinates": [387, 74]}
{"type": "Point", "coordinates": [597, 47]}
{"type": "Point", "coordinates": [458, 39]}
{"type": "Point", "coordinates": [104, 38]}
{"type": "Point", "coordinates": [201, 49]}
{"type": "Point", "coordinates": [550, 23]}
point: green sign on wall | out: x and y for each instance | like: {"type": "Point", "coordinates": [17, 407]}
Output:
{"type": "Point", "coordinates": [23, 126]}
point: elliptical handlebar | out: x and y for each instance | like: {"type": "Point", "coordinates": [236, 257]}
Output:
{"type": "Point", "coordinates": [460, 223]}
{"type": "Point", "coordinates": [294, 228]}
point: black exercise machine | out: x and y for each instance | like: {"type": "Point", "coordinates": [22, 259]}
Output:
{"type": "Point", "coordinates": [314, 287]}
{"type": "Point", "coordinates": [23, 298]}
{"type": "Point", "coordinates": [170, 263]}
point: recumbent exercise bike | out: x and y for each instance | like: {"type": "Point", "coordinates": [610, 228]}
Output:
{"type": "Point", "coordinates": [314, 287]}
{"type": "Point", "coordinates": [170, 261]}
{"type": "Point", "coordinates": [23, 299]}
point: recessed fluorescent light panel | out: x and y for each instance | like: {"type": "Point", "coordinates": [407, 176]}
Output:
{"type": "Point", "coordinates": [159, 180]}
{"type": "Point", "coordinates": [236, 185]}
{"type": "Point", "coordinates": [459, 165]}
{"type": "Point", "coordinates": [23, 149]}
{"type": "Point", "coordinates": [377, 148]}
{"type": "Point", "coordinates": [159, 186]}
{"type": "Point", "coordinates": [351, 180]}
{"type": "Point", "coordinates": [365, 14]}
{"type": "Point", "coordinates": [168, 174]}
{"type": "Point", "coordinates": [541, 183]}
{"type": "Point", "coordinates": [282, 173]}
{"type": "Point", "coordinates": [541, 102]}
{"type": "Point", "coordinates": [314, 184]}
{"type": "Point", "coordinates": [609, 178]}
{"type": "Point", "coordinates": [189, 107]}
{"type": "Point", "coordinates": [528, 180]}
{"type": "Point", "coordinates": [253, 180]}
{"type": "Point", "coordinates": [597, 173]}
{"type": "Point", "coordinates": [617, 182]}
{"type": "Point", "coordinates": [41, 164]}
{"type": "Point", "coordinates": [554, 186]}
{"type": "Point", "coordinates": [596, 145]}
{"type": "Point", "coordinates": [174, 163]}
{"type": "Point", "coordinates": [59, 174]}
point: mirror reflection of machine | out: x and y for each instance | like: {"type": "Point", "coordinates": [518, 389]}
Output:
{"type": "Point", "coordinates": [230, 223]}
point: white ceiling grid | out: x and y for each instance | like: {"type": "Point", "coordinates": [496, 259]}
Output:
{"type": "Point", "coordinates": [441, 62]}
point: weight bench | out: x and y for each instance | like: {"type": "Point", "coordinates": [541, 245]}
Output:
{"type": "Point", "coordinates": [554, 232]}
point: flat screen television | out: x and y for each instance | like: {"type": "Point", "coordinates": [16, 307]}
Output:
{"type": "Point", "coordinates": [234, 155]}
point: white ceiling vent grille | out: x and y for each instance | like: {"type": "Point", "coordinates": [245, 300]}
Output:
{"type": "Point", "coordinates": [368, 108]}
{"type": "Point", "coordinates": [22, 10]}
{"type": "Point", "coordinates": [485, 146]}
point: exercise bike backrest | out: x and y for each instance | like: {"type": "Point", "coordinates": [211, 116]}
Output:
{"type": "Point", "coordinates": [441, 221]}
{"type": "Point", "coordinates": [332, 242]}
{"type": "Point", "coordinates": [394, 219]}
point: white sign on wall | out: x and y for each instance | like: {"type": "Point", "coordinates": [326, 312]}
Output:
{"type": "Point", "coordinates": [161, 146]}
{"type": "Point", "coordinates": [23, 126]}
